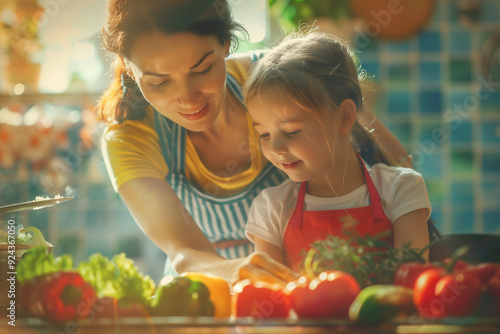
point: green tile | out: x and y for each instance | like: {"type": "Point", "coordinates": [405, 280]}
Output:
{"type": "Point", "coordinates": [402, 130]}
{"type": "Point", "coordinates": [399, 73]}
{"type": "Point", "coordinates": [460, 71]}
{"type": "Point", "coordinates": [68, 244]}
{"type": "Point", "coordinates": [462, 161]}
{"type": "Point", "coordinates": [436, 190]}
{"type": "Point", "coordinates": [130, 246]}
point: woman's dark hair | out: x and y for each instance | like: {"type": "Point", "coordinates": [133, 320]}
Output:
{"type": "Point", "coordinates": [126, 19]}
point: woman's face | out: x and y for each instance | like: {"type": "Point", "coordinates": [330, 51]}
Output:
{"type": "Point", "coordinates": [182, 76]}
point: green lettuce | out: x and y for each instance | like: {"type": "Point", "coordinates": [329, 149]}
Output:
{"type": "Point", "coordinates": [118, 278]}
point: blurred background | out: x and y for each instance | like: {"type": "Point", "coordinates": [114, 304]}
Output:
{"type": "Point", "coordinates": [432, 76]}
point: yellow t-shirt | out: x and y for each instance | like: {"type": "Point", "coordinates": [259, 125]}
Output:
{"type": "Point", "coordinates": [132, 150]}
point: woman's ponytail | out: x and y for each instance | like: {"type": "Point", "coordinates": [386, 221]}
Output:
{"type": "Point", "coordinates": [123, 100]}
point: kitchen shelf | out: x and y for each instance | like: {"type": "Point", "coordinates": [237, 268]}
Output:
{"type": "Point", "coordinates": [60, 98]}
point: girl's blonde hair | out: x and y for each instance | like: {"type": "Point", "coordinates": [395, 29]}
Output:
{"type": "Point", "coordinates": [316, 72]}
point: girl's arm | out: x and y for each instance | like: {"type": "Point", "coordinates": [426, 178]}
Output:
{"type": "Point", "coordinates": [412, 228]}
{"type": "Point", "coordinates": [164, 219]}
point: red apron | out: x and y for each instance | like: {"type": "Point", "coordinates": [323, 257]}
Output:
{"type": "Point", "coordinates": [306, 227]}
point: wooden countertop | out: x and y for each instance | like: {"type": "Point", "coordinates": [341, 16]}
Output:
{"type": "Point", "coordinates": [160, 325]}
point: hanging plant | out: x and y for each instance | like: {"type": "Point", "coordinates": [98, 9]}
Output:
{"type": "Point", "coordinates": [293, 12]}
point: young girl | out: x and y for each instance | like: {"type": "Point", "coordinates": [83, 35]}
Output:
{"type": "Point", "coordinates": [304, 97]}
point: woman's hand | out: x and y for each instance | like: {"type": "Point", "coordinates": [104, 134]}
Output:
{"type": "Point", "coordinates": [261, 267]}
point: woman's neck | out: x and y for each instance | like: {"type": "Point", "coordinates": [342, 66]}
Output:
{"type": "Point", "coordinates": [230, 112]}
{"type": "Point", "coordinates": [345, 176]}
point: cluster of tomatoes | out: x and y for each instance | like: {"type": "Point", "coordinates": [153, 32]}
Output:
{"type": "Point", "coordinates": [327, 296]}
{"type": "Point", "coordinates": [433, 290]}
{"type": "Point", "coordinates": [452, 288]}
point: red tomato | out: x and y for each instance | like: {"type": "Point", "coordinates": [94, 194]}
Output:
{"type": "Point", "coordinates": [493, 288]}
{"type": "Point", "coordinates": [440, 294]}
{"type": "Point", "coordinates": [407, 274]}
{"type": "Point", "coordinates": [459, 265]}
{"type": "Point", "coordinates": [259, 300]}
{"type": "Point", "coordinates": [483, 271]}
{"type": "Point", "coordinates": [327, 296]}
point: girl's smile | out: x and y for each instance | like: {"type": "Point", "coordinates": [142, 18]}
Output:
{"type": "Point", "coordinates": [291, 138]}
{"type": "Point", "coordinates": [290, 165]}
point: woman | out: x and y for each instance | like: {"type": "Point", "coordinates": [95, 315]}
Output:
{"type": "Point", "coordinates": [180, 149]}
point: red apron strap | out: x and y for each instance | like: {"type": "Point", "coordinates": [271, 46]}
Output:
{"type": "Point", "coordinates": [376, 203]}
{"type": "Point", "coordinates": [296, 218]}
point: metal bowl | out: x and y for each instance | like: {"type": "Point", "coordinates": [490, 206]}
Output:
{"type": "Point", "coordinates": [482, 247]}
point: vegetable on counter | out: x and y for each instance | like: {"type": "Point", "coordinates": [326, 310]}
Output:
{"type": "Point", "coordinates": [38, 262]}
{"type": "Point", "coordinates": [493, 290]}
{"type": "Point", "coordinates": [118, 278]}
{"type": "Point", "coordinates": [447, 292]}
{"type": "Point", "coordinates": [368, 259]}
{"type": "Point", "coordinates": [327, 296]}
{"type": "Point", "coordinates": [483, 271]}
{"type": "Point", "coordinates": [259, 300]}
{"type": "Point", "coordinates": [182, 297]}
{"type": "Point", "coordinates": [58, 296]}
{"type": "Point", "coordinates": [380, 303]}
{"type": "Point", "coordinates": [220, 293]}
{"type": "Point", "coordinates": [407, 274]}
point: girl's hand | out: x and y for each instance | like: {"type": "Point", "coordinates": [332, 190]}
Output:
{"type": "Point", "coordinates": [261, 267]}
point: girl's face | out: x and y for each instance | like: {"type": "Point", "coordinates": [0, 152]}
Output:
{"type": "Point", "coordinates": [290, 138]}
{"type": "Point", "coordinates": [182, 76]}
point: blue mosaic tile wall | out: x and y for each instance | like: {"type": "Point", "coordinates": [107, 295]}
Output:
{"type": "Point", "coordinates": [431, 94]}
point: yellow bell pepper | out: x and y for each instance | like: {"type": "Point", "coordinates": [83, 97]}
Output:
{"type": "Point", "coordinates": [219, 292]}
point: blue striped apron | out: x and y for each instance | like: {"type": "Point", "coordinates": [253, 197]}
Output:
{"type": "Point", "coordinates": [220, 219]}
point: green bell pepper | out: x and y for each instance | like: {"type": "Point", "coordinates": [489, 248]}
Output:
{"type": "Point", "coordinates": [182, 297]}
{"type": "Point", "coordinates": [380, 303]}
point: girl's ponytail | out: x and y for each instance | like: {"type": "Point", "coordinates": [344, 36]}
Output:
{"type": "Point", "coordinates": [122, 100]}
{"type": "Point", "coordinates": [363, 142]}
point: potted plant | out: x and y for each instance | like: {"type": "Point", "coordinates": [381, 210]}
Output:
{"type": "Point", "coordinates": [19, 32]}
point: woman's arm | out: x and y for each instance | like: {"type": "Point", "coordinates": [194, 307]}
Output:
{"type": "Point", "coordinates": [412, 228]}
{"type": "Point", "coordinates": [268, 248]}
{"type": "Point", "coordinates": [389, 144]}
{"type": "Point", "coordinates": [164, 219]}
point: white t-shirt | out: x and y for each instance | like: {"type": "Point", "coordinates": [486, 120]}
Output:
{"type": "Point", "coordinates": [401, 190]}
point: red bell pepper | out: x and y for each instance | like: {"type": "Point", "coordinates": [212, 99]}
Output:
{"type": "Point", "coordinates": [407, 274]}
{"type": "Point", "coordinates": [58, 296]}
{"type": "Point", "coordinates": [259, 300]}
{"type": "Point", "coordinates": [327, 296]}
{"type": "Point", "coordinates": [439, 293]}
{"type": "Point", "coordinates": [483, 271]}
{"type": "Point", "coordinates": [493, 289]}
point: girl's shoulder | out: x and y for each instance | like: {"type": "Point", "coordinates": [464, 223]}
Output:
{"type": "Point", "coordinates": [281, 193]}
{"type": "Point", "coordinates": [384, 171]}
{"type": "Point", "coordinates": [390, 179]}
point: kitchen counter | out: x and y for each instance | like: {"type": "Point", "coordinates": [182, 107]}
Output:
{"type": "Point", "coordinates": [159, 325]}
